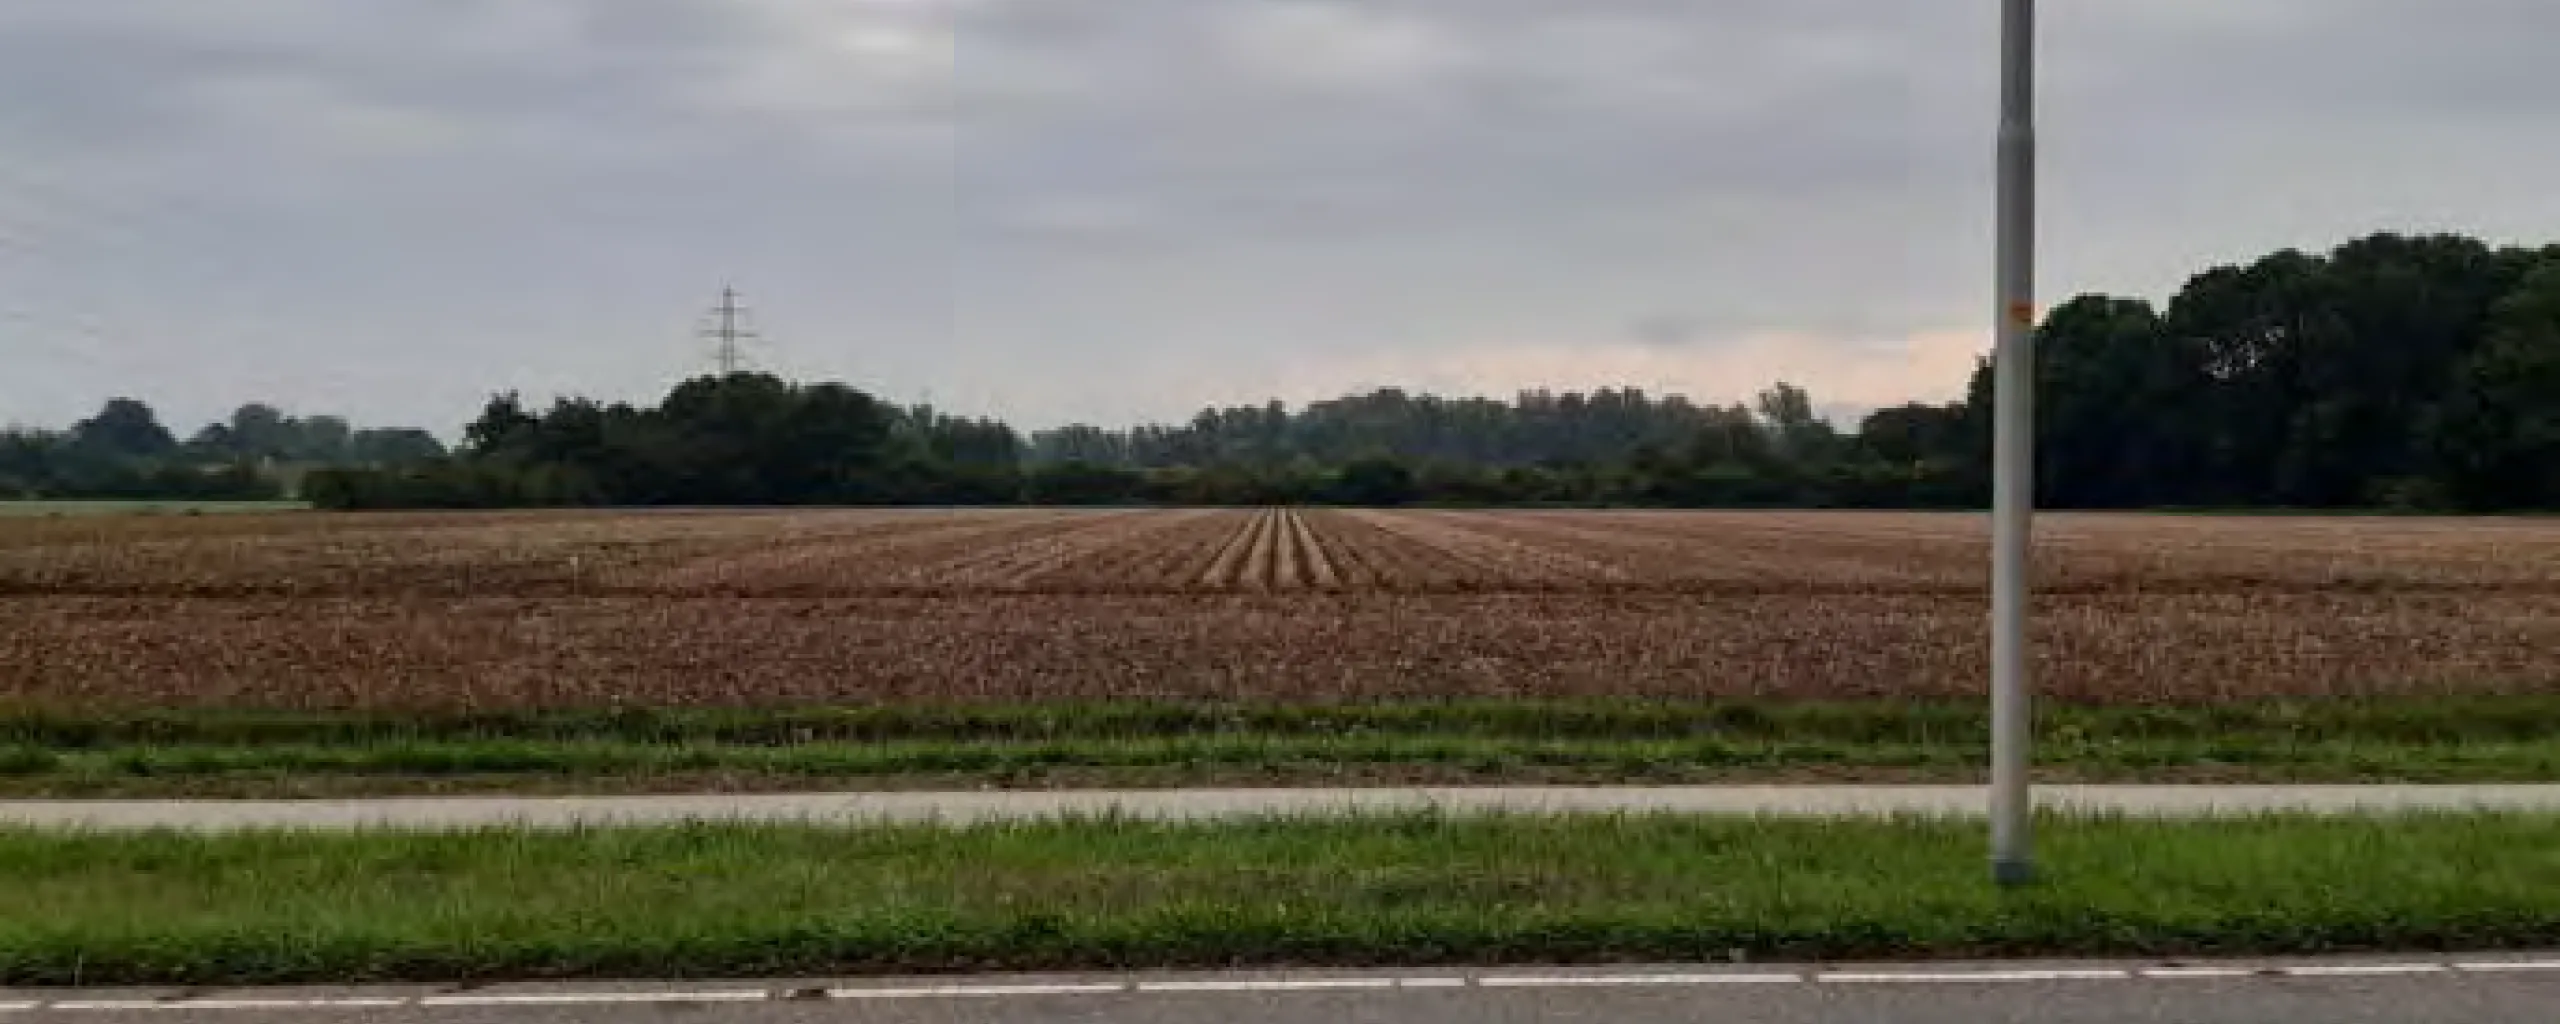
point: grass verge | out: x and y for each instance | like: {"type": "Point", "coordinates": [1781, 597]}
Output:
{"type": "Point", "coordinates": [607, 767]}
{"type": "Point", "coordinates": [140, 507]}
{"type": "Point", "coordinates": [46, 752]}
{"type": "Point", "coordinates": [712, 901]}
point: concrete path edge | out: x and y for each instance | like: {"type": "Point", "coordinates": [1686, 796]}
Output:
{"type": "Point", "coordinates": [1209, 804]}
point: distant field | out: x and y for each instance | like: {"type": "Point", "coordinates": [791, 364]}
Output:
{"type": "Point", "coordinates": [142, 508]}
{"type": "Point", "coordinates": [549, 610]}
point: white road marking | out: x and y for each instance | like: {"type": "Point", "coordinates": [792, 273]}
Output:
{"type": "Point", "coordinates": [345, 1003]}
{"type": "Point", "coordinates": [2185, 973]}
{"type": "Point", "coordinates": [2361, 970]}
{"type": "Point", "coordinates": [965, 990]}
{"type": "Point", "coordinates": [111, 1005]}
{"type": "Point", "coordinates": [1966, 977]}
{"type": "Point", "coordinates": [725, 995]}
{"type": "Point", "coordinates": [1270, 985]}
{"type": "Point", "coordinates": [2506, 966]}
{"type": "Point", "coordinates": [980, 991]}
{"type": "Point", "coordinates": [1591, 980]}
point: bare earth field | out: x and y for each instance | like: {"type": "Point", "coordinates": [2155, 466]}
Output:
{"type": "Point", "coordinates": [584, 609]}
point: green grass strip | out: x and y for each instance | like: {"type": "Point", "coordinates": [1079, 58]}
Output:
{"type": "Point", "coordinates": [713, 901]}
{"type": "Point", "coordinates": [53, 752]}
{"type": "Point", "coordinates": [498, 764]}
{"type": "Point", "coordinates": [113, 507]}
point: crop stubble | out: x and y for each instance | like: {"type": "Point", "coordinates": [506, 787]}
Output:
{"type": "Point", "coordinates": [567, 609]}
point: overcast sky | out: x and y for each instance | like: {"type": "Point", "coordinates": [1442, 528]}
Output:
{"type": "Point", "coordinates": [1121, 209]}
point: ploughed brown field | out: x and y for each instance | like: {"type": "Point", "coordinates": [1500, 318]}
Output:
{"type": "Point", "coordinates": [736, 607]}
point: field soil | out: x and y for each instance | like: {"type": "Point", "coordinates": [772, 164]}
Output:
{"type": "Point", "coordinates": [746, 608]}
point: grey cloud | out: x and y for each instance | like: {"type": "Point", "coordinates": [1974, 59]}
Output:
{"type": "Point", "coordinates": [1114, 208]}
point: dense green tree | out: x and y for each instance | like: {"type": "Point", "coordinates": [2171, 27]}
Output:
{"type": "Point", "coordinates": [214, 441]}
{"type": "Point", "coordinates": [27, 460]}
{"type": "Point", "coordinates": [323, 439]}
{"type": "Point", "coordinates": [501, 427]}
{"type": "Point", "coordinates": [1799, 434]}
{"type": "Point", "coordinates": [125, 452]}
{"type": "Point", "coordinates": [1376, 480]}
{"type": "Point", "coordinates": [260, 431]}
{"type": "Point", "coordinates": [2497, 432]}
{"type": "Point", "coordinates": [1535, 428]}
{"type": "Point", "coordinates": [2105, 369]}
{"type": "Point", "coordinates": [1081, 483]}
{"type": "Point", "coordinates": [394, 446]}
{"type": "Point", "coordinates": [1908, 435]}
{"type": "Point", "coordinates": [124, 428]}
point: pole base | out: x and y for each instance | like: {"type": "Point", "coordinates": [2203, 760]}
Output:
{"type": "Point", "coordinates": [2010, 874]}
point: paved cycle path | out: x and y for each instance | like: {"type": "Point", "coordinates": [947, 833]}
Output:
{"type": "Point", "coordinates": [1207, 804]}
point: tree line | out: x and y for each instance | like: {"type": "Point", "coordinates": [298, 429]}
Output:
{"type": "Point", "coordinates": [2394, 371]}
{"type": "Point", "coordinates": [755, 439]}
{"type": "Point", "coordinates": [740, 439]}
{"type": "Point", "coordinates": [125, 452]}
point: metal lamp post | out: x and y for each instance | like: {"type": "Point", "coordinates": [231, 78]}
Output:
{"type": "Point", "coordinates": [2013, 451]}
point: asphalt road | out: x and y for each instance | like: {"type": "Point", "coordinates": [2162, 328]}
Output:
{"type": "Point", "coordinates": [968, 806]}
{"type": "Point", "coordinates": [2484, 991]}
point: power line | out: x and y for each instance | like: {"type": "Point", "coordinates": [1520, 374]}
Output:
{"type": "Point", "coordinates": [728, 334]}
